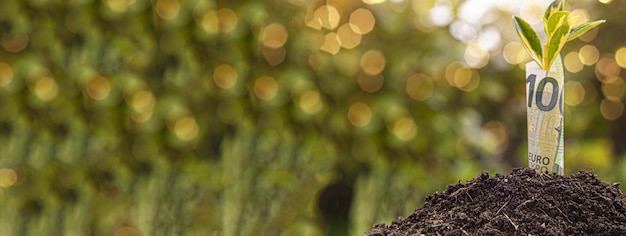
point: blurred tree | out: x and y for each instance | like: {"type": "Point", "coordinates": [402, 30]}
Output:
{"type": "Point", "coordinates": [171, 117]}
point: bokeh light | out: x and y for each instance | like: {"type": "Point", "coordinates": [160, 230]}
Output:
{"type": "Point", "coordinates": [372, 2]}
{"type": "Point", "coordinates": [464, 78]}
{"type": "Point", "coordinates": [514, 53]}
{"type": "Point", "coordinates": [476, 57]}
{"type": "Point", "coordinates": [167, 9]}
{"type": "Point", "coordinates": [404, 128]}
{"type": "Point", "coordinates": [589, 36]}
{"type": "Point", "coordinates": [359, 114]}
{"type": "Point", "coordinates": [422, 22]}
{"type": "Point", "coordinates": [370, 83]}
{"type": "Point", "coordinates": [326, 16]}
{"type": "Point", "coordinates": [373, 62]}
{"type": "Point", "coordinates": [463, 31]}
{"type": "Point", "coordinates": [331, 43]}
{"type": "Point", "coordinates": [310, 102]}
{"type": "Point", "coordinates": [589, 54]}
{"type": "Point", "coordinates": [45, 88]}
{"type": "Point", "coordinates": [441, 15]}
{"type": "Point", "coordinates": [274, 36]}
{"type": "Point", "coordinates": [611, 110]}
{"type": "Point", "coordinates": [362, 21]}
{"type": "Point", "coordinates": [186, 128]}
{"type": "Point", "coordinates": [615, 90]}
{"type": "Point", "coordinates": [225, 76]}
{"type": "Point", "coordinates": [607, 67]}
{"type": "Point", "coordinates": [98, 88]}
{"type": "Point", "coordinates": [15, 42]}
{"type": "Point", "coordinates": [8, 177]}
{"type": "Point", "coordinates": [274, 57]}
{"type": "Point", "coordinates": [582, 14]}
{"type": "Point", "coordinates": [609, 79]}
{"type": "Point", "coordinates": [265, 88]}
{"type": "Point", "coordinates": [6, 74]}
{"type": "Point", "coordinates": [210, 22]}
{"type": "Point", "coordinates": [420, 87]}
{"type": "Point", "coordinates": [620, 57]}
{"type": "Point", "coordinates": [574, 93]}
{"type": "Point", "coordinates": [143, 103]}
{"type": "Point", "coordinates": [451, 71]}
{"type": "Point", "coordinates": [127, 231]}
{"type": "Point", "coordinates": [119, 5]}
{"type": "Point", "coordinates": [591, 93]}
{"type": "Point", "coordinates": [572, 62]}
{"type": "Point", "coordinates": [227, 20]}
{"type": "Point", "coordinates": [348, 38]}
{"type": "Point", "coordinates": [489, 39]}
{"type": "Point", "coordinates": [532, 11]}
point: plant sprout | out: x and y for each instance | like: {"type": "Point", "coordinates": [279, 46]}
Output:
{"type": "Point", "coordinates": [558, 26]}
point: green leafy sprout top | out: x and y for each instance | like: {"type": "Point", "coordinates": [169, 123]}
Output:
{"type": "Point", "coordinates": [558, 28]}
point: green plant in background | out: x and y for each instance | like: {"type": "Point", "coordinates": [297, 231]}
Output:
{"type": "Point", "coordinates": [559, 29]}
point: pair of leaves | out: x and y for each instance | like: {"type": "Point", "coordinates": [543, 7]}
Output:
{"type": "Point", "coordinates": [558, 27]}
{"type": "Point", "coordinates": [557, 31]}
{"type": "Point", "coordinates": [554, 7]}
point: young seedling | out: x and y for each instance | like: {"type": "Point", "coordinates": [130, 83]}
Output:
{"type": "Point", "coordinates": [545, 82]}
{"type": "Point", "coordinates": [558, 26]}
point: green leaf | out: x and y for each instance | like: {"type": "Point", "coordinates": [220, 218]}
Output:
{"type": "Point", "coordinates": [529, 39]}
{"type": "Point", "coordinates": [555, 44]}
{"type": "Point", "coordinates": [555, 6]}
{"type": "Point", "coordinates": [584, 28]}
{"type": "Point", "coordinates": [555, 21]}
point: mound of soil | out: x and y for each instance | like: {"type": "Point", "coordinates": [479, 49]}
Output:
{"type": "Point", "coordinates": [523, 202]}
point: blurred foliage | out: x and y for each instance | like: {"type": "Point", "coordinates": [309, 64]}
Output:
{"type": "Point", "coordinates": [294, 117]}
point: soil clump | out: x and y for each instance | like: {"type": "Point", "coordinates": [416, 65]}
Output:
{"type": "Point", "coordinates": [523, 202]}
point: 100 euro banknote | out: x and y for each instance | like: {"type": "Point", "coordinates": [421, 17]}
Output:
{"type": "Point", "coordinates": [544, 105]}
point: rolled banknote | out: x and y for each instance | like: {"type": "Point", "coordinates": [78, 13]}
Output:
{"type": "Point", "coordinates": [544, 106]}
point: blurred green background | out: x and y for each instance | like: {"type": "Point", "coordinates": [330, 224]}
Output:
{"type": "Point", "coordinates": [278, 117]}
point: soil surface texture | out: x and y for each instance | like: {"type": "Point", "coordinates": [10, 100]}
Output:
{"type": "Point", "coordinates": [523, 202]}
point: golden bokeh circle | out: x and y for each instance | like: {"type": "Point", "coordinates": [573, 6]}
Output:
{"type": "Point", "coordinates": [359, 114]}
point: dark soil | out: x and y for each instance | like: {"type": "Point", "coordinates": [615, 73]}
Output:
{"type": "Point", "coordinates": [523, 202]}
